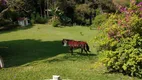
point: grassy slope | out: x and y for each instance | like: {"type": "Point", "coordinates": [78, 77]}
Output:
{"type": "Point", "coordinates": [37, 54]}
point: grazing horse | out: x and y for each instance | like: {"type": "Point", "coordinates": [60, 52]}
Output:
{"type": "Point", "coordinates": [76, 44]}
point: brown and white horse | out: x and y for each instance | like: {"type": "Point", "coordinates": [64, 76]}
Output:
{"type": "Point", "coordinates": [76, 44]}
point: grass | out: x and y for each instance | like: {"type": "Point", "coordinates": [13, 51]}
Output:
{"type": "Point", "coordinates": [37, 53]}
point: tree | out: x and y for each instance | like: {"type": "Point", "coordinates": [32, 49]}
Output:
{"type": "Point", "coordinates": [85, 11]}
{"type": "Point", "coordinates": [21, 6]}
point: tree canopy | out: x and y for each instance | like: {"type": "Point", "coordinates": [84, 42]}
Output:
{"type": "Point", "coordinates": [68, 9]}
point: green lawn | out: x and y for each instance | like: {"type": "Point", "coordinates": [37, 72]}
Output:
{"type": "Point", "coordinates": [36, 53]}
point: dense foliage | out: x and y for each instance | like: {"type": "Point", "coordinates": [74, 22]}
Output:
{"type": "Point", "coordinates": [99, 20]}
{"type": "Point", "coordinates": [69, 12]}
{"type": "Point", "coordinates": [122, 41]}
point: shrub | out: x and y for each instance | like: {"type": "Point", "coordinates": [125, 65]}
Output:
{"type": "Point", "coordinates": [7, 24]}
{"type": "Point", "coordinates": [4, 22]}
{"type": "Point", "coordinates": [38, 19]}
{"type": "Point", "coordinates": [122, 42]}
{"type": "Point", "coordinates": [8, 27]}
{"type": "Point", "coordinates": [126, 57]}
{"type": "Point", "coordinates": [41, 20]}
{"type": "Point", "coordinates": [33, 18]}
{"type": "Point", "coordinates": [11, 26]}
{"type": "Point", "coordinates": [65, 20]}
{"type": "Point", "coordinates": [98, 12]}
{"type": "Point", "coordinates": [99, 20]}
{"type": "Point", "coordinates": [56, 22]}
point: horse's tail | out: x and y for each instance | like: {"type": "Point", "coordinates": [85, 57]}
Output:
{"type": "Point", "coordinates": [87, 47]}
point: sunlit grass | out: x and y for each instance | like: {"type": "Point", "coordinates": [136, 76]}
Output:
{"type": "Point", "coordinates": [37, 53]}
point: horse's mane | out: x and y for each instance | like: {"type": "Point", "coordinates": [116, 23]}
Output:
{"type": "Point", "coordinates": [72, 40]}
{"type": "Point", "coordinates": [69, 39]}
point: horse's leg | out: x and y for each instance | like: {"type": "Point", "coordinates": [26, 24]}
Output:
{"type": "Point", "coordinates": [71, 49]}
{"type": "Point", "coordinates": [85, 50]}
{"type": "Point", "coordinates": [81, 50]}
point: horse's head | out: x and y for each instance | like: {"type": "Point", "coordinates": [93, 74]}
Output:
{"type": "Point", "coordinates": [65, 42]}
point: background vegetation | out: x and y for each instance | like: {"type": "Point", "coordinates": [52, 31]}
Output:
{"type": "Point", "coordinates": [68, 12]}
{"type": "Point", "coordinates": [113, 31]}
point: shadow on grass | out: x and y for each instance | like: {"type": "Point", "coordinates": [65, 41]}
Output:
{"type": "Point", "coordinates": [15, 29]}
{"type": "Point", "coordinates": [75, 57]}
{"type": "Point", "coordinates": [19, 52]}
{"type": "Point", "coordinates": [86, 54]}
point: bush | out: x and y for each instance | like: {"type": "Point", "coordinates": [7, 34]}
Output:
{"type": "Point", "coordinates": [126, 57]}
{"type": "Point", "coordinates": [122, 42]}
{"type": "Point", "coordinates": [33, 18]}
{"type": "Point", "coordinates": [9, 27]}
{"type": "Point", "coordinates": [98, 12]}
{"type": "Point", "coordinates": [38, 19]}
{"type": "Point", "coordinates": [99, 20]}
{"type": "Point", "coordinates": [7, 24]}
{"type": "Point", "coordinates": [4, 22]}
{"type": "Point", "coordinates": [65, 20]}
{"type": "Point", "coordinates": [56, 22]}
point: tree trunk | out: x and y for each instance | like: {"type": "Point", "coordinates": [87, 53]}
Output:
{"type": "Point", "coordinates": [41, 10]}
{"type": "Point", "coordinates": [47, 8]}
{"type": "Point", "coordinates": [44, 8]}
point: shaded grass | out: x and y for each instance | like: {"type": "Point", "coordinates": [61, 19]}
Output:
{"type": "Point", "coordinates": [23, 51]}
{"type": "Point", "coordinates": [36, 53]}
